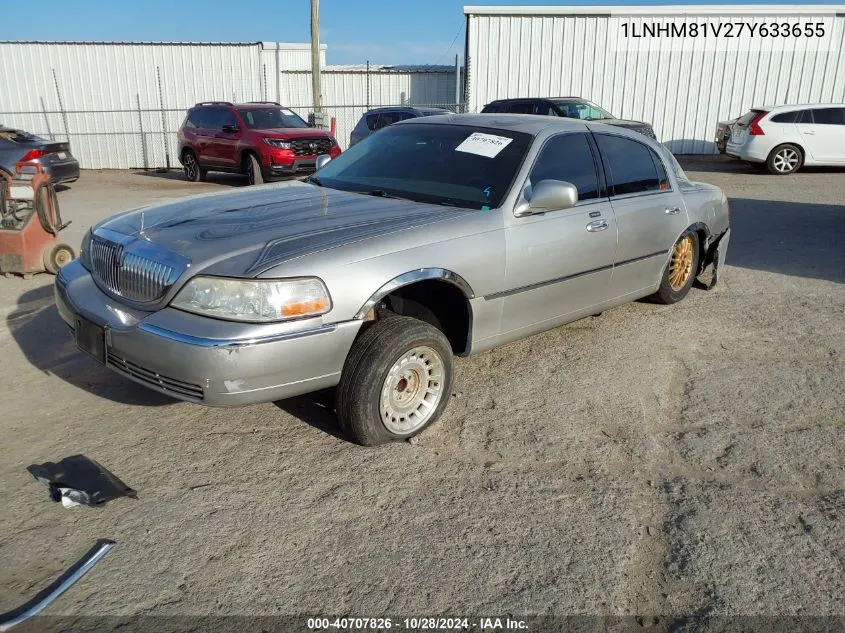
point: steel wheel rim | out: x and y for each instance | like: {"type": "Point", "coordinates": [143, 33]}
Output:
{"type": "Point", "coordinates": [190, 167]}
{"type": "Point", "coordinates": [786, 160]}
{"type": "Point", "coordinates": [680, 266]}
{"type": "Point", "coordinates": [63, 257]}
{"type": "Point", "coordinates": [412, 390]}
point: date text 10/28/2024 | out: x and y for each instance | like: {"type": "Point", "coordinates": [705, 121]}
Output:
{"type": "Point", "coordinates": [417, 624]}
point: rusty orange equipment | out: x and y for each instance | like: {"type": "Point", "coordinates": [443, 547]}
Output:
{"type": "Point", "coordinates": [30, 223]}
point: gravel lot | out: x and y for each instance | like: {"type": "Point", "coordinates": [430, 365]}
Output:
{"type": "Point", "coordinates": [666, 461]}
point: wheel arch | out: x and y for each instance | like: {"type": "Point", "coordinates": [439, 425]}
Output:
{"type": "Point", "coordinates": [438, 291]}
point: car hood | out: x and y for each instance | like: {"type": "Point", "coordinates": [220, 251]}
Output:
{"type": "Point", "coordinates": [244, 233]}
{"type": "Point", "coordinates": [294, 132]}
{"type": "Point", "coordinates": [634, 125]}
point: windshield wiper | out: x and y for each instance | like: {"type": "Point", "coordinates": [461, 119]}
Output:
{"type": "Point", "coordinates": [314, 181]}
{"type": "Point", "coordinates": [381, 193]}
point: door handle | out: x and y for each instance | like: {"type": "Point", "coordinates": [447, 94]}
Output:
{"type": "Point", "coordinates": [673, 210]}
{"type": "Point", "coordinates": [598, 225]}
{"type": "Point", "coordinates": [807, 132]}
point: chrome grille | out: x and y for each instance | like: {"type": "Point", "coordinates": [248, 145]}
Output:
{"type": "Point", "coordinates": [311, 146]}
{"type": "Point", "coordinates": [130, 275]}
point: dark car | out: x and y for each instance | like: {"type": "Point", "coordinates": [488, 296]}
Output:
{"type": "Point", "coordinates": [54, 157]}
{"type": "Point", "coordinates": [723, 134]}
{"type": "Point", "coordinates": [374, 120]}
{"type": "Point", "coordinates": [262, 140]}
{"type": "Point", "coordinates": [571, 107]}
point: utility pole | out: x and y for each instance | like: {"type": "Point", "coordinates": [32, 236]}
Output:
{"type": "Point", "coordinates": [315, 55]}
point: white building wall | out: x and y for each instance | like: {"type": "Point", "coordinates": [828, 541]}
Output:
{"type": "Point", "coordinates": [115, 116]}
{"type": "Point", "coordinates": [562, 51]}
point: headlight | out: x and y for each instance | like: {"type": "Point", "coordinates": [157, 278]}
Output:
{"type": "Point", "coordinates": [85, 250]}
{"type": "Point", "coordinates": [278, 143]}
{"type": "Point", "coordinates": [254, 300]}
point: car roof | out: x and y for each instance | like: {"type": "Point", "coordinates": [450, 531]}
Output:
{"type": "Point", "coordinates": [527, 123]}
{"type": "Point", "coordinates": [240, 106]}
{"type": "Point", "coordinates": [571, 98]}
{"type": "Point", "coordinates": [804, 106]}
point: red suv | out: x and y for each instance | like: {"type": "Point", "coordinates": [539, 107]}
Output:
{"type": "Point", "coordinates": [260, 139]}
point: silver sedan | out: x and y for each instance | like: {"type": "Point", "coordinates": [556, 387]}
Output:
{"type": "Point", "coordinates": [436, 237]}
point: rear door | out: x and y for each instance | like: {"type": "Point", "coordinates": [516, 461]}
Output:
{"type": "Point", "coordinates": [205, 120]}
{"type": "Point", "coordinates": [560, 262]}
{"type": "Point", "coordinates": [650, 213]}
{"type": "Point", "coordinates": [824, 137]}
{"type": "Point", "coordinates": [225, 143]}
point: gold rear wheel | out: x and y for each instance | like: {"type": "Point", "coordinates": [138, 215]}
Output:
{"type": "Point", "coordinates": [680, 266]}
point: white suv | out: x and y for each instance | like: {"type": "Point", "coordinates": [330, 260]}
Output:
{"type": "Point", "coordinates": [785, 138]}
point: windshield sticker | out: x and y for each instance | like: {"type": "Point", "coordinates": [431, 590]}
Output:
{"type": "Point", "coordinates": [488, 145]}
{"type": "Point", "coordinates": [287, 112]}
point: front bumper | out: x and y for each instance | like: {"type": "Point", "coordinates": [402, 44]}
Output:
{"type": "Point", "coordinates": [203, 360]}
{"type": "Point", "coordinates": [298, 166]}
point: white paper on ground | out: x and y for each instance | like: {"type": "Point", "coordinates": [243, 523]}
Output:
{"type": "Point", "coordinates": [488, 145]}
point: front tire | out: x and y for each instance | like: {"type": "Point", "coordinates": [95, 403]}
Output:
{"type": "Point", "coordinates": [680, 271]}
{"type": "Point", "coordinates": [784, 159]}
{"type": "Point", "coordinates": [254, 173]}
{"type": "Point", "coordinates": [396, 381]}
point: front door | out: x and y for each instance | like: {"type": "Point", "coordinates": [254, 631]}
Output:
{"type": "Point", "coordinates": [824, 137]}
{"type": "Point", "coordinates": [650, 214]}
{"type": "Point", "coordinates": [559, 262]}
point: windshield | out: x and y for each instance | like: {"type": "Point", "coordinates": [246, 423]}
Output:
{"type": "Point", "coordinates": [455, 165]}
{"type": "Point", "coordinates": [270, 118]}
{"type": "Point", "coordinates": [583, 110]}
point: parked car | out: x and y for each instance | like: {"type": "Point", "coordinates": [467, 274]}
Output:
{"type": "Point", "coordinates": [374, 120]}
{"type": "Point", "coordinates": [570, 107]}
{"type": "Point", "coordinates": [54, 157]}
{"type": "Point", "coordinates": [262, 140]}
{"type": "Point", "coordinates": [723, 134]}
{"type": "Point", "coordinates": [437, 236]}
{"type": "Point", "coordinates": [785, 138]}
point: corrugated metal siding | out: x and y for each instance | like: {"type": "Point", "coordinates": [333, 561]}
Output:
{"type": "Point", "coordinates": [114, 115]}
{"type": "Point", "coordinates": [682, 93]}
{"type": "Point", "coordinates": [344, 94]}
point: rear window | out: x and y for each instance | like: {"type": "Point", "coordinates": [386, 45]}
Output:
{"type": "Point", "coordinates": [18, 136]}
{"type": "Point", "coordinates": [749, 116]}
{"type": "Point", "coordinates": [785, 117]}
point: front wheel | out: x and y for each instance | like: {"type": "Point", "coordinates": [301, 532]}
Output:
{"type": "Point", "coordinates": [680, 272]}
{"type": "Point", "coordinates": [396, 381]}
{"type": "Point", "coordinates": [253, 170]}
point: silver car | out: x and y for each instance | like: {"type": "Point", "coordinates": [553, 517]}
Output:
{"type": "Point", "coordinates": [438, 236]}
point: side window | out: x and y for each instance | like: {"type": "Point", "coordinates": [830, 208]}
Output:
{"type": "Point", "coordinates": [198, 117]}
{"type": "Point", "coordinates": [191, 120]}
{"type": "Point", "coordinates": [631, 166]}
{"type": "Point", "coordinates": [568, 157]}
{"type": "Point", "coordinates": [544, 108]}
{"type": "Point", "coordinates": [212, 119]}
{"type": "Point", "coordinates": [804, 116]}
{"type": "Point", "coordinates": [829, 116]}
{"type": "Point", "coordinates": [227, 118]}
{"type": "Point", "coordinates": [492, 107]}
{"type": "Point", "coordinates": [371, 120]}
{"type": "Point", "coordinates": [521, 107]}
{"type": "Point", "coordinates": [786, 117]}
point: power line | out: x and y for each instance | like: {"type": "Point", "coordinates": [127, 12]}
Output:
{"type": "Point", "coordinates": [454, 39]}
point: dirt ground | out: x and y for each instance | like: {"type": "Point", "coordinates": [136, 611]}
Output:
{"type": "Point", "coordinates": [656, 460]}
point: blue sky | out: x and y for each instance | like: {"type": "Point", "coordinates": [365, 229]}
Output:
{"type": "Point", "coordinates": [355, 31]}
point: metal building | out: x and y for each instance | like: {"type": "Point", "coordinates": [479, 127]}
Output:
{"type": "Point", "coordinates": [652, 64]}
{"type": "Point", "coordinates": [120, 104]}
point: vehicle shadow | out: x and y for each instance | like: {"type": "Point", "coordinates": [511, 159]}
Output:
{"type": "Point", "coordinates": [215, 178]}
{"type": "Point", "coordinates": [46, 342]}
{"type": "Point", "coordinates": [315, 409]}
{"type": "Point", "coordinates": [791, 238]}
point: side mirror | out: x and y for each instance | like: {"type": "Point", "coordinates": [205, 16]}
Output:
{"type": "Point", "coordinates": [549, 195]}
{"type": "Point", "coordinates": [321, 161]}
{"type": "Point", "coordinates": [231, 129]}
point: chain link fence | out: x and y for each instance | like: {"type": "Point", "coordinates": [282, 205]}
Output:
{"type": "Point", "coordinates": [144, 138]}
